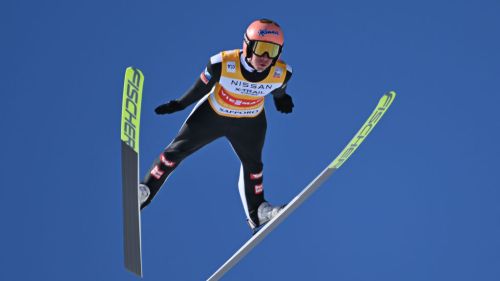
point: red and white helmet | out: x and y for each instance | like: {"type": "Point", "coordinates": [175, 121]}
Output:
{"type": "Point", "coordinates": [262, 37]}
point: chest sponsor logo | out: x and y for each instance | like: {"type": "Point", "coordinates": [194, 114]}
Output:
{"type": "Point", "coordinates": [238, 102]}
{"type": "Point", "coordinates": [247, 88]}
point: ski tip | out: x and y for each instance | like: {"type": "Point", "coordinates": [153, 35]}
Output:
{"type": "Point", "coordinates": [134, 69]}
{"type": "Point", "coordinates": [391, 93]}
{"type": "Point", "coordinates": [387, 99]}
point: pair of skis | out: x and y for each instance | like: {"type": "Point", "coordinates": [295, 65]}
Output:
{"type": "Point", "coordinates": [132, 96]}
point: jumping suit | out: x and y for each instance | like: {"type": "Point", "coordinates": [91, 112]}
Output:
{"type": "Point", "coordinates": [230, 96]}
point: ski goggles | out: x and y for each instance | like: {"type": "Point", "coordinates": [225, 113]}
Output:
{"type": "Point", "coordinates": [261, 47]}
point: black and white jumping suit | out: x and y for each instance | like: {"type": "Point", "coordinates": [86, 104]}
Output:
{"type": "Point", "coordinates": [230, 96]}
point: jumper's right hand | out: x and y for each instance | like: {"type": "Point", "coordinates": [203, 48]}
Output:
{"type": "Point", "coordinates": [169, 107]}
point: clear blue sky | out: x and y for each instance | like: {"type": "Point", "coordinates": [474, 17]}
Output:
{"type": "Point", "coordinates": [418, 201]}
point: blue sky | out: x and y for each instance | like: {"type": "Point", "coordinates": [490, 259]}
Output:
{"type": "Point", "coordinates": [417, 201]}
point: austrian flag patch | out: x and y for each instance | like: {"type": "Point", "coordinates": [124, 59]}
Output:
{"type": "Point", "coordinates": [205, 76]}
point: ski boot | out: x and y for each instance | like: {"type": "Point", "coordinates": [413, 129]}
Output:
{"type": "Point", "coordinates": [143, 193]}
{"type": "Point", "coordinates": [266, 212]}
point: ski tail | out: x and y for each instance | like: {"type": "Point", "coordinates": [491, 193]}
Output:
{"type": "Point", "coordinates": [130, 122]}
{"type": "Point", "coordinates": [358, 138]}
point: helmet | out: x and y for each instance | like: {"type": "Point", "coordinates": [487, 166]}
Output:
{"type": "Point", "coordinates": [269, 33]}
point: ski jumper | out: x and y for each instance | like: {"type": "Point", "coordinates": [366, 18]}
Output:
{"type": "Point", "coordinates": [230, 95]}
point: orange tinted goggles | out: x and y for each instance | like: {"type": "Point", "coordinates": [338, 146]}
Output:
{"type": "Point", "coordinates": [260, 48]}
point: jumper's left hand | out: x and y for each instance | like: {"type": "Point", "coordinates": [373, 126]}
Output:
{"type": "Point", "coordinates": [284, 104]}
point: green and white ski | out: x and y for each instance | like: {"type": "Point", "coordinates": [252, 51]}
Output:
{"type": "Point", "coordinates": [131, 116]}
{"type": "Point", "coordinates": [360, 136]}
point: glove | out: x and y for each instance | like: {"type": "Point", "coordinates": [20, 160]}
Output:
{"type": "Point", "coordinates": [169, 107]}
{"type": "Point", "coordinates": [284, 104]}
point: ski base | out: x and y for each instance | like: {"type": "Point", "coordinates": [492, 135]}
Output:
{"type": "Point", "coordinates": [131, 212]}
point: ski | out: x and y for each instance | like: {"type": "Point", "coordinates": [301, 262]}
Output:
{"type": "Point", "coordinates": [131, 113]}
{"type": "Point", "coordinates": [382, 106]}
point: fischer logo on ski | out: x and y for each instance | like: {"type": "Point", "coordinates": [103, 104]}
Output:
{"type": "Point", "coordinates": [131, 107]}
{"type": "Point", "coordinates": [382, 106]}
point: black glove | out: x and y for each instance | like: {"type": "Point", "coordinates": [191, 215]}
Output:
{"type": "Point", "coordinates": [284, 104]}
{"type": "Point", "coordinates": [169, 107]}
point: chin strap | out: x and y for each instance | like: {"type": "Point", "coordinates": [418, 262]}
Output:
{"type": "Point", "coordinates": [247, 65]}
